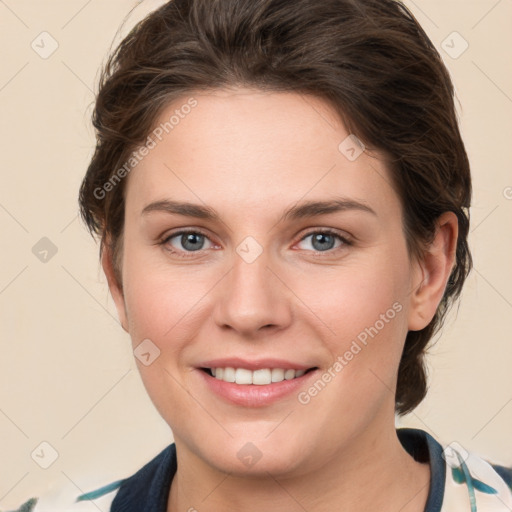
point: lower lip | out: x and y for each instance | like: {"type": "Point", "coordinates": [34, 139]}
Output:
{"type": "Point", "coordinates": [252, 395]}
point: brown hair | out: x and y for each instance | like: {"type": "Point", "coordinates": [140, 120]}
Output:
{"type": "Point", "coordinates": [369, 59]}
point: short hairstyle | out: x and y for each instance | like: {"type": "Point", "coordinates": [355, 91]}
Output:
{"type": "Point", "coordinates": [370, 60]}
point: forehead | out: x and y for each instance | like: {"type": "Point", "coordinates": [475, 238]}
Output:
{"type": "Point", "coordinates": [253, 149]}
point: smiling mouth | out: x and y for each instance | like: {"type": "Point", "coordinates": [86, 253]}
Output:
{"type": "Point", "coordinates": [261, 377]}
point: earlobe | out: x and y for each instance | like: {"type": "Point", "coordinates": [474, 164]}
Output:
{"type": "Point", "coordinates": [432, 272]}
{"type": "Point", "coordinates": [114, 286]}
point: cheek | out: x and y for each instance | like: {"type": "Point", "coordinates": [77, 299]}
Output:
{"type": "Point", "coordinates": [365, 309]}
{"type": "Point", "coordinates": [164, 304]}
{"type": "Point", "coordinates": [157, 304]}
{"type": "Point", "coordinates": [349, 300]}
{"type": "Point", "coordinates": [366, 314]}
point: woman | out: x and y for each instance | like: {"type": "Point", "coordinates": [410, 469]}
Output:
{"type": "Point", "coordinates": [281, 193]}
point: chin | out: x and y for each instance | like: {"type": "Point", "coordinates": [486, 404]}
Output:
{"type": "Point", "coordinates": [245, 458]}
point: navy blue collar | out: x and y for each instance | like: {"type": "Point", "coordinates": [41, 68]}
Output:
{"type": "Point", "coordinates": [148, 489]}
{"type": "Point", "coordinates": [424, 448]}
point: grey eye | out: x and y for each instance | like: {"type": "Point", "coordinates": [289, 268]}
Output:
{"type": "Point", "coordinates": [188, 241]}
{"type": "Point", "coordinates": [322, 242]}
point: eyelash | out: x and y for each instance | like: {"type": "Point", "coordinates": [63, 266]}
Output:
{"type": "Point", "coordinates": [317, 254]}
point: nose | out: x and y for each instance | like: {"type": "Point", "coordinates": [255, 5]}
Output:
{"type": "Point", "coordinates": [252, 299]}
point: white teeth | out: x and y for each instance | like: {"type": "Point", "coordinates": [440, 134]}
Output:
{"type": "Point", "coordinates": [243, 376]}
{"type": "Point", "coordinates": [229, 375]}
{"type": "Point", "coordinates": [277, 374]}
{"type": "Point", "coordinates": [289, 374]}
{"type": "Point", "coordinates": [260, 377]}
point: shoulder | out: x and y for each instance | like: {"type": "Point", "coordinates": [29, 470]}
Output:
{"type": "Point", "coordinates": [99, 499]}
{"type": "Point", "coordinates": [473, 479]}
{"type": "Point", "coordinates": [120, 495]}
{"type": "Point", "coordinates": [460, 480]}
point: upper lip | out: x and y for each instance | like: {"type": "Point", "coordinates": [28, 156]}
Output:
{"type": "Point", "coordinates": [255, 364]}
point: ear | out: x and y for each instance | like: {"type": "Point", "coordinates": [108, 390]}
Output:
{"type": "Point", "coordinates": [433, 271]}
{"type": "Point", "coordinates": [114, 286]}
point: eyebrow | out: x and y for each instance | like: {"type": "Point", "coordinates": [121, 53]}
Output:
{"type": "Point", "coordinates": [298, 211]}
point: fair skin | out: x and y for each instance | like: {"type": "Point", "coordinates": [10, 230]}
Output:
{"type": "Point", "coordinates": [250, 156]}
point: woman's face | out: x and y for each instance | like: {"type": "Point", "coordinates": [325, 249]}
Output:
{"type": "Point", "coordinates": [295, 260]}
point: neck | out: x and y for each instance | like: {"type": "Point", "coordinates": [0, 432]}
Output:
{"type": "Point", "coordinates": [374, 473]}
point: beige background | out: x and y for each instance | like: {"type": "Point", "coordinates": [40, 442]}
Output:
{"type": "Point", "coordinates": [67, 375]}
